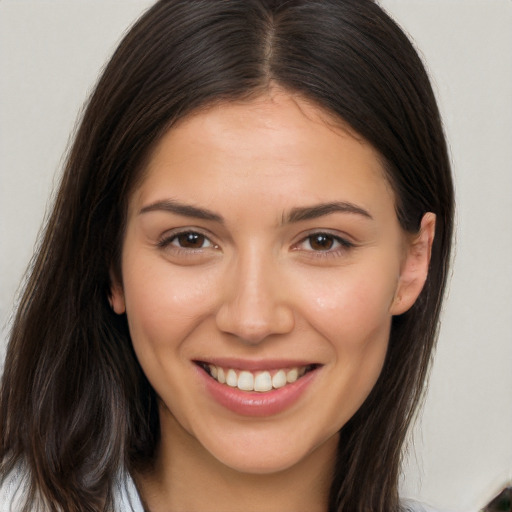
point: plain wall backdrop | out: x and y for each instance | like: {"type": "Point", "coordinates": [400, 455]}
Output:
{"type": "Point", "coordinates": [51, 53]}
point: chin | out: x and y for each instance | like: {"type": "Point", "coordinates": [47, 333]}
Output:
{"type": "Point", "coordinates": [260, 464]}
{"type": "Point", "coordinates": [254, 454]}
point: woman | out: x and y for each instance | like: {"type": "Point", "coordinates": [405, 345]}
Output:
{"type": "Point", "coordinates": [237, 295]}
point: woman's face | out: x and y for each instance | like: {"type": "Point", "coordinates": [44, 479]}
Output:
{"type": "Point", "coordinates": [263, 248]}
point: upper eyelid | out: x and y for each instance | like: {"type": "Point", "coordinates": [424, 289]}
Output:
{"type": "Point", "coordinates": [338, 253]}
{"type": "Point", "coordinates": [341, 236]}
{"type": "Point", "coordinates": [173, 232]}
{"type": "Point", "coordinates": [343, 242]}
{"type": "Point", "coordinates": [168, 236]}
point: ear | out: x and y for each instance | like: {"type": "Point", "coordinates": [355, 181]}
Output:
{"type": "Point", "coordinates": [415, 266]}
{"type": "Point", "coordinates": [116, 297]}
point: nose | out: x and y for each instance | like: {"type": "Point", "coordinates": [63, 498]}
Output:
{"type": "Point", "coordinates": [255, 303]}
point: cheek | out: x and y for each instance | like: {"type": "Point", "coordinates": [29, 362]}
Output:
{"type": "Point", "coordinates": [352, 309]}
{"type": "Point", "coordinates": [352, 314]}
{"type": "Point", "coordinates": [163, 305]}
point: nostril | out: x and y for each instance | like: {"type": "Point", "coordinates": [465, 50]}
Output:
{"type": "Point", "coordinates": [254, 323]}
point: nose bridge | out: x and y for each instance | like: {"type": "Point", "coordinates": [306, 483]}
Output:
{"type": "Point", "coordinates": [255, 305]}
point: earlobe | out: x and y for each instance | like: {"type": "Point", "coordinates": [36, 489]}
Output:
{"type": "Point", "coordinates": [116, 298]}
{"type": "Point", "coordinates": [415, 267]}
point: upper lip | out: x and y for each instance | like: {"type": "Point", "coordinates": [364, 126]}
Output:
{"type": "Point", "coordinates": [255, 364]}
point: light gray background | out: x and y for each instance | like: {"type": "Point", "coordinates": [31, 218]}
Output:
{"type": "Point", "coordinates": [50, 54]}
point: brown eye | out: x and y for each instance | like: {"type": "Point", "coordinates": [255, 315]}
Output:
{"type": "Point", "coordinates": [321, 242]}
{"type": "Point", "coordinates": [191, 240]}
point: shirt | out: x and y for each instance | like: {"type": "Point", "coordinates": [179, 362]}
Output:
{"type": "Point", "coordinates": [126, 496]}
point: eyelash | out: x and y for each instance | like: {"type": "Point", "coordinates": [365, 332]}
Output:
{"type": "Point", "coordinates": [342, 246]}
{"type": "Point", "coordinates": [168, 240]}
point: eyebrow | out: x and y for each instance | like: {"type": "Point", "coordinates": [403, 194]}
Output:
{"type": "Point", "coordinates": [319, 210]}
{"type": "Point", "coordinates": [186, 210]}
{"type": "Point", "coordinates": [295, 215]}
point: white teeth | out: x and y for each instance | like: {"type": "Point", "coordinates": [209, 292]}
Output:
{"type": "Point", "coordinates": [261, 381]}
{"type": "Point", "coordinates": [279, 379]}
{"type": "Point", "coordinates": [292, 375]}
{"type": "Point", "coordinates": [231, 379]}
{"type": "Point", "coordinates": [246, 381]}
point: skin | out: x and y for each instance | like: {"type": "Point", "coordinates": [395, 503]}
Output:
{"type": "Point", "coordinates": [256, 285]}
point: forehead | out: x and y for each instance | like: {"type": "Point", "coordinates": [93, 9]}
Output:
{"type": "Point", "coordinates": [277, 144]}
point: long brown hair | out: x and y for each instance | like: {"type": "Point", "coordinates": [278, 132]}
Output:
{"type": "Point", "coordinates": [75, 407]}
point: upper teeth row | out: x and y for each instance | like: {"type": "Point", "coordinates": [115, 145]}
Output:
{"type": "Point", "coordinates": [259, 381]}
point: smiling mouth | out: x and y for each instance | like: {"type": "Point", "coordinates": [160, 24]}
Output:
{"type": "Point", "coordinates": [259, 381]}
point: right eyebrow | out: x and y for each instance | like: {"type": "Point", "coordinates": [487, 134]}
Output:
{"type": "Point", "coordinates": [187, 210]}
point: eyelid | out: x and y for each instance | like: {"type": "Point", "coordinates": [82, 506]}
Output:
{"type": "Point", "coordinates": [344, 241]}
{"type": "Point", "coordinates": [166, 239]}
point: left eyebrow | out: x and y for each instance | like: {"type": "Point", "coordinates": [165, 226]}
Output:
{"type": "Point", "coordinates": [319, 210]}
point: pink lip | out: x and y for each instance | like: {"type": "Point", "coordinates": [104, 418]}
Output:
{"type": "Point", "coordinates": [252, 403]}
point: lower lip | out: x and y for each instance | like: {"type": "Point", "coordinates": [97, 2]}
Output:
{"type": "Point", "coordinates": [252, 403]}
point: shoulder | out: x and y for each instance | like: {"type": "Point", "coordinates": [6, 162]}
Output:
{"type": "Point", "coordinates": [126, 497]}
{"type": "Point", "coordinates": [12, 492]}
{"type": "Point", "coordinates": [416, 506]}
{"type": "Point", "coordinates": [12, 489]}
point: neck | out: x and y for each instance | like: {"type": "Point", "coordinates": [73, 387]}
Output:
{"type": "Point", "coordinates": [186, 477]}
